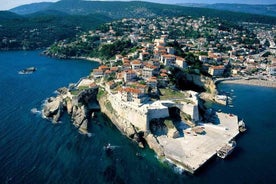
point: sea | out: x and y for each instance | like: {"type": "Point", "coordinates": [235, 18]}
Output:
{"type": "Point", "coordinates": [33, 150]}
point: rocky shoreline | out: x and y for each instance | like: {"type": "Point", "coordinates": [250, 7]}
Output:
{"type": "Point", "coordinates": [58, 56]}
{"type": "Point", "coordinates": [79, 107]}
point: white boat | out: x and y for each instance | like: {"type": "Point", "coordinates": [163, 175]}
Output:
{"type": "Point", "coordinates": [226, 149]}
{"type": "Point", "coordinates": [242, 127]}
{"type": "Point", "coordinates": [27, 70]}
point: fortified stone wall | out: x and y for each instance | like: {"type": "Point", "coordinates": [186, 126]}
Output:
{"type": "Point", "coordinates": [158, 110]}
{"type": "Point", "coordinates": [129, 113]}
{"type": "Point", "coordinates": [191, 109]}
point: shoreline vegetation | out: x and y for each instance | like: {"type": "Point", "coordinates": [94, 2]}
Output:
{"type": "Point", "coordinates": [253, 82]}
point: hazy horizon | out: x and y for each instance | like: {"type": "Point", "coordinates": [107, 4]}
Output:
{"type": "Point", "coordinates": [9, 4]}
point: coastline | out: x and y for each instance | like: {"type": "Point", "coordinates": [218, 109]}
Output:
{"type": "Point", "coordinates": [94, 59]}
{"type": "Point", "coordinates": [88, 59]}
{"type": "Point", "coordinates": [253, 82]}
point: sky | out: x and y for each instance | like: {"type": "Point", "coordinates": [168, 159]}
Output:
{"type": "Point", "coordinates": [8, 4]}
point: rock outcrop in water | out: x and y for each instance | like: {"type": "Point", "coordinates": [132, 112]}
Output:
{"type": "Point", "coordinates": [77, 103]}
{"type": "Point", "coordinates": [53, 108]}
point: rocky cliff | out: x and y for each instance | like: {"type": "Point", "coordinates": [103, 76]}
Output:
{"type": "Point", "coordinates": [125, 126]}
{"type": "Point", "coordinates": [203, 82]}
{"type": "Point", "coordinates": [78, 106]}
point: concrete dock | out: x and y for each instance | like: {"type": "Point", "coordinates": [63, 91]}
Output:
{"type": "Point", "coordinates": [192, 150]}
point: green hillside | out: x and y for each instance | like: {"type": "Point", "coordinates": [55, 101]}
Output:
{"type": "Point", "coordinates": [42, 29]}
{"type": "Point", "coordinates": [136, 9]}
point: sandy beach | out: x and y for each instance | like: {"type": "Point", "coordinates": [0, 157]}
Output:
{"type": "Point", "coordinates": [255, 82]}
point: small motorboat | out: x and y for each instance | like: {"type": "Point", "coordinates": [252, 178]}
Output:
{"type": "Point", "coordinates": [27, 70]}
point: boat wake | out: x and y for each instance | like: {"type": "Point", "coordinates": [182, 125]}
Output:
{"type": "Point", "coordinates": [35, 111]}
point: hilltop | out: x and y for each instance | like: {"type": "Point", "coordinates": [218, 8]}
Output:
{"type": "Point", "coordinates": [269, 10]}
{"type": "Point", "coordinates": [139, 9]}
{"type": "Point", "coordinates": [43, 24]}
{"type": "Point", "coordinates": [41, 29]}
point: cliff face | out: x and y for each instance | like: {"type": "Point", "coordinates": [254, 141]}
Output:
{"type": "Point", "coordinates": [124, 126]}
{"type": "Point", "coordinates": [203, 82]}
{"type": "Point", "coordinates": [121, 121]}
{"type": "Point", "coordinates": [78, 106]}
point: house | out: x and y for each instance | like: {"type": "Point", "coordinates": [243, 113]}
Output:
{"type": "Point", "coordinates": [149, 71]}
{"type": "Point", "coordinates": [136, 64]}
{"type": "Point", "coordinates": [129, 75]}
{"type": "Point", "coordinates": [129, 94]}
{"type": "Point", "coordinates": [97, 73]}
{"type": "Point", "coordinates": [215, 56]}
{"type": "Point", "coordinates": [114, 69]}
{"type": "Point", "coordinates": [125, 60]}
{"type": "Point", "coordinates": [203, 58]}
{"type": "Point", "coordinates": [110, 85]}
{"type": "Point", "coordinates": [118, 57]}
{"type": "Point", "coordinates": [168, 59]}
{"type": "Point", "coordinates": [126, 66]}
{"type": "Point", "coordinates": [107, 73]}
{"type": "Point", "coordinates": [216, 70]}
{"type": "Point", "coordinates": [181, 62]}
{"type": "Point", "coordinates": [170, 50]}
{"type": "Point", "coordinates": [144, 56]}
{"type": "Point", "coordinates": [271, 69]}
{"type": "Point", "coordinates": [152, 83]}
{"type": "Point", "coordinates": [103, 68]}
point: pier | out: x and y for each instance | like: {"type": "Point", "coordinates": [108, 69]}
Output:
{"type": "Point", "coordinates": [192, 150]}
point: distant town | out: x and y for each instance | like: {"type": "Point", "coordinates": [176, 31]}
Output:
{"type": "Point", "coordinates": [207, 46]}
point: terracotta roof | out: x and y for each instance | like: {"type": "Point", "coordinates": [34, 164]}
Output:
{"type": "Point", "coordinates": [169, 56]}
{"type": "Point", "coordinates": [217, 67]}
{"type": "Point", "coordinates": [163, 75]}
{"type": "Point", "coordinates": [140, 85]}
{"type": "Point", "coordinates": [152, 79]}
{"type": "Point", "coordinates": [92, 84]}
{"type": "Point", "coordinates": [151, 66]}
{"type": "Point", "coordinates": [126, 64]}
{"type": "Point", "coordinates": [130, 90]}
{"type": "Point", "coordinates": [145, 53]}
{"type": "Point", "coordinates": [163, 71]}
{"type": "Point", "coordinates": [180, 58]}
{"type": "Point", "coordinates": [114, 68]}
{"type": "Point", "coordinates": [107, 72]}
{"type": "Point", "coordinates": [130, 72]}
{"type": "Point", "coordinates": [97, 70]}
{"type": "Point", "coordinates": [136, 62]}
{"type": "Point", "coordinates": [103, 67]}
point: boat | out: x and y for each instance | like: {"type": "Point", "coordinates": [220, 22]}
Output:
{"type": "Point", "coordinates": [226, 149]}
{"type": "Point", "coordinates": [242, 127]}
{"type": "Point", "coordinates": [27, 70]}
{"type": "Point", "coordinates": [222, 99]}
{"type": "Point", "coordinates": [108, 147]}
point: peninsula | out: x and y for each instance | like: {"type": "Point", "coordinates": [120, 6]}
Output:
{"type": "Point", "coordinates": [153, 77]}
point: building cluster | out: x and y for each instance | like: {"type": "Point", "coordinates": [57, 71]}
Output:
{"type": "Point", "coordinates": [219, 49]}
{"type": "Point", "coordinates": [244, 50]}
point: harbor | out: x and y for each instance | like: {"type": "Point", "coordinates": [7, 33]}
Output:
{"type": "Point", "coordinates": [192, 150]}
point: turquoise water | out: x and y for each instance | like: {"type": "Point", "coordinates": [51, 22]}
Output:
{"type": "Point", "coordinates": [32, 150]}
